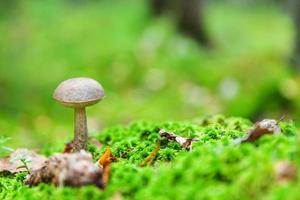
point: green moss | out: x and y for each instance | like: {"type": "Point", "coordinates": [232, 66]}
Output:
{"type": "Point", "coordinates": [216, 168]}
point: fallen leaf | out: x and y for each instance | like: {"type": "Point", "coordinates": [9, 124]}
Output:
{"type": "Point", "coordinates": [184, 142]}
{"type": "Point", "coordinates": [70, 169]}
{"type": "Point", "coordinates": [105, 160]}
{"type": "Point", "coordinates": [15, 162]}
{"type": "Point", "coordinates": [149, 159]}
{"type": "Point", "coordinates": [264, 127]}
{"type": "Point", "coordinates": [285, 171]}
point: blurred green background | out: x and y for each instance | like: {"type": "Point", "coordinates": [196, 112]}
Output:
{"type": "Point", "coordinates": [148, 69]}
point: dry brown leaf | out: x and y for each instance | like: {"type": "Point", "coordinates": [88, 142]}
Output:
{"type": "Point", "coordinates": [264, 127]}
{"type": "Point", "coordinates": [21, 160]}
{"type": "Point", "coordinates": [184, 142]}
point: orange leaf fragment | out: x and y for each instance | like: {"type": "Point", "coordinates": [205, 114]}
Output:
{"type": "Point", "coordinates": [105, 160]}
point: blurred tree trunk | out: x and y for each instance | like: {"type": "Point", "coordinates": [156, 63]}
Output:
{"type": "Point", "coordinates": [158, 6]}
{"type": "Point", "coordinates": [295, 11]}
{"type": "Point", "coordinates": [189, 17]}
{"type": "Point", "coordinates": [191, 20]}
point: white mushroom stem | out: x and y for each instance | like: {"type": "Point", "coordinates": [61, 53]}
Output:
{"type": "Point", "coordinates": [80, 132]}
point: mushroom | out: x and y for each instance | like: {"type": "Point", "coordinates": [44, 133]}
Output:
{"type": "Point", "coordinates": [79, 93]}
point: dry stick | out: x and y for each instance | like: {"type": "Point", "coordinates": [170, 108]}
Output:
{"type": "Point", "coordinates": [281, 118]}
{"type": "Point", "coordinates": [149, 160]}
{"type": "Point", "coordinates": [105, 177]}
{"type": "Point", "coordinates": [124, 154]}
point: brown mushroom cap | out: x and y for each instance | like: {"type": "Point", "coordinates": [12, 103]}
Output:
{"type": "Point", "coordinates": [78, 92]}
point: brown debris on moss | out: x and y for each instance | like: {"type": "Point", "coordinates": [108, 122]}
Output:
{"type": "Point", "coordinates": [184, 142]}
{"type": "Point", "coordinates": [285, 171]}
{"type": "Point", "coordinates": [68, 147]}
{"type": "Point", "coordinates": [71, 169]}
{"type": "Point", "coordinates": [264, 127]}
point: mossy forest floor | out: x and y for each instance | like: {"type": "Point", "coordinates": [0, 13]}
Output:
{"type": "Point", "coordinates": [216, 167]}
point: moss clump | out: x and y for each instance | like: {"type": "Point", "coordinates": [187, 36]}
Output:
{"type": "Point", "coordinates": [216, 168]}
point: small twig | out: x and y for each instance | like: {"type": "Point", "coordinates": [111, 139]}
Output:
{"type": "Point", "coordinates": [149, 159]}
{"type": "Point", "coordinates": [281, 118]}
{"type": "Point", "coordinates": [106, 175]}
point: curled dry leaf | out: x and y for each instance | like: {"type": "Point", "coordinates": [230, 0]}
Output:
{"type": "Point", "coordinates": [71, 169]}
{"type": "Point", "coordinates": [106, 158]}
{"type": "Point", "coordinates": [21, 160]}
{"type": "Point", "coordinates": [184, 142]}
{"type": "Point", "coordinates": [264, 127]}
{"type": "Point", "coordinates": [285, 171]}
{"type": "Point", "coordinates": [104, 162]}
{"type": "Point", "coordinates": [149, 159]}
